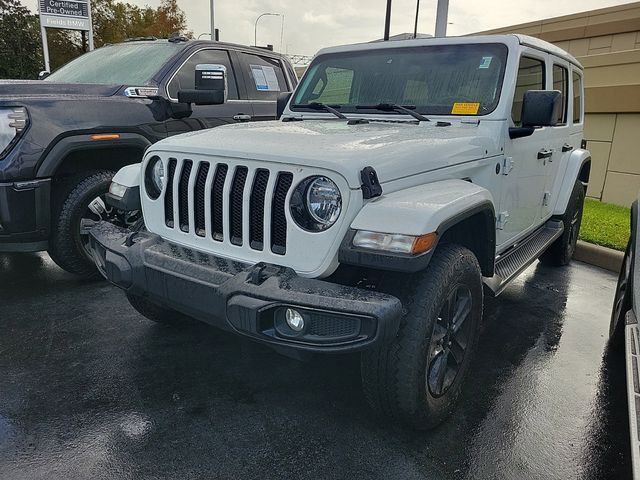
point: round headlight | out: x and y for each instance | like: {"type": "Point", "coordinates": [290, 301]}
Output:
{"type": "Point", "coordinates": [316, 204]}
{"type": "Point", "coordinates": [154, 177]}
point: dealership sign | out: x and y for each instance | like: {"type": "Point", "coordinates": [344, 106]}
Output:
{"type": "Point", "coordinates": [65, 14]}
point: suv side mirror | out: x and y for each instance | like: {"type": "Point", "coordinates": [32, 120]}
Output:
{"type": "Point", "coordinates": [540, 108]}
{"type": "Point", "coordinates": [281, 104]}
{"type": "Point", "coordinates": [211, 86]}
{"type": "Point", "coordinates": [43, 74]}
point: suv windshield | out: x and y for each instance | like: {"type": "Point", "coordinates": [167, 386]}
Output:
{"type": "Point", "coordinates": [438, 80]}
{"type": "Point", "coordinates": [121, 64]}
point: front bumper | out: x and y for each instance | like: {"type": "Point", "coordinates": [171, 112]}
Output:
{"type": "Point", "coordinates": [24, 215]}
{"type": "Point", "coordinates": [249, 300]}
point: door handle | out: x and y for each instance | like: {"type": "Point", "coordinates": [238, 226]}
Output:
{"type": "Point", "coordinates": [544, 153]}
{"type": "Point", "coordinates": [241, 117]}
{"type": "Point", "coordinates": [567, 148]}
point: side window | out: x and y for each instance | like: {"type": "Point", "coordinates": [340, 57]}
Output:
{"type": "Point", "coordinates": [561, 83]}
{"type": "Point", "coordinates": [530, 77]}
{"type": "Point", "coordinates": [265, 78]}
{"type": "Point", "coordinates": [185, 78]}
{"type": "Point", "coordinates": [577, 97]}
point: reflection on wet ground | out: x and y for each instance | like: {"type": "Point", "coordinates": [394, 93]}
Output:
{"type": "Point", "coordinates": [89, 389]}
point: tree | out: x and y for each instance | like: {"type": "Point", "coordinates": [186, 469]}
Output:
{"type": "Point", "coordinates": [20, 49]}
{"type": "Point", "coordinates": [113, 22]}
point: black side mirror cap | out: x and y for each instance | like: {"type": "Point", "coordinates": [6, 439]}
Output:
{"type": "Point", "coordinates": [202, 97]}
{"type": "Point", "coordinates": [281, 104]}
{"type": "Point", "coordinates": [541, 108]}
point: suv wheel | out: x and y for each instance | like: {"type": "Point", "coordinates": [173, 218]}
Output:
{"type": "Point", "coordinates": [417, 378]}
{"type": "Point", "coordinates": [77, 210]}
{"type": "Point", "coordinates": [622, 301]}
{"type": "Point", "coordinates": [157, 313]}
{"type": "Point", "coordinates": [561, 251]}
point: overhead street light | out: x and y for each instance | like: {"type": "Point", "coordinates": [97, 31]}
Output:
{"type": "Point", "coordinates": [255, 28]}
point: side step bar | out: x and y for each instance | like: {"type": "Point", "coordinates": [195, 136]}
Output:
{"type": "Point", "coordinates": [511, 263]}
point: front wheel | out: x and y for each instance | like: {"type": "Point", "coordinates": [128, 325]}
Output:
{"type": "Point", "coordinates": [80, 207]}
{"type": "Point", "coordinates": [417, 378]}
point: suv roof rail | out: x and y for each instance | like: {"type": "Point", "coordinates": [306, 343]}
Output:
{"type": "Point", "coordinates": [140, 39]}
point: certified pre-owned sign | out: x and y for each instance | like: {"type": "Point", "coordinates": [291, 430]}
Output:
{"type": "Point", "coordinates": [65, 14]}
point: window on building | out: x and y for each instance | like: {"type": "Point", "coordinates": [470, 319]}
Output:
{"type": "Point", "coordinates": [577, 98]}
{"type": "Point", "coordinates": [561, 83]}
{"type": "Point", "coordinates": [530, 77]}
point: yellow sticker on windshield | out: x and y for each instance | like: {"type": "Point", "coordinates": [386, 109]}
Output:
{"type": "Point", "coordinates": [464, 108]}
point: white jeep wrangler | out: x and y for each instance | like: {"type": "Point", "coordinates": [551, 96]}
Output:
{"type": "Point", "coordinates": [403, 180]}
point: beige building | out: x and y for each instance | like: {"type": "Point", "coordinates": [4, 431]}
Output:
{"type": "Point", "coordinates": [607, 43]}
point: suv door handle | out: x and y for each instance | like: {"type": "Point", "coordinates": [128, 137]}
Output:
{"type": "Point", "coordinates": [241, 117]}
{"type": "Point", "coordinates": [544, 153]}
{"type": "Point", "coordinates": [567, 148]}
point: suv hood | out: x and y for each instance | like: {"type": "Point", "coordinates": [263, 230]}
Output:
{"type": "Point", "coordinates": [395, 150]}
{"type": "Point", "coordinates": [38, 88]}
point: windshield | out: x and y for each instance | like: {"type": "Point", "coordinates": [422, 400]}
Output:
{"type": "Point", "coordinates": [437, 80]}
{"type": "Point", "coordinates": [122, 64]}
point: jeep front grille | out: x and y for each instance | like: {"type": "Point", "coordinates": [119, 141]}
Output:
{"type": "Point", "coordinates": [212, 199]}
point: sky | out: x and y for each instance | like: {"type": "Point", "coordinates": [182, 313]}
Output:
{"type": "Point", "coordinates": [313, 24]}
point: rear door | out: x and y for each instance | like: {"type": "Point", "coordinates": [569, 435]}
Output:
{"type": "Point", "coordinates": [265, 78]}
{"type": "Point", "coordinates": [208, 116]}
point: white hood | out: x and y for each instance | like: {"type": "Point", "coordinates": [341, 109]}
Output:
{"type": "Point", "coordinates": [395, 150]}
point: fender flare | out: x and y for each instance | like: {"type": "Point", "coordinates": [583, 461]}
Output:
{"type": "Point", "coordinates": [435, 207]}
{"type": "Point", "coordinates": [577, 160]}
{"type": "Point", "coordinates": [54, 157]}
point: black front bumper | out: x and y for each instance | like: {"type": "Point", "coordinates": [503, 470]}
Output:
{"type": "Point", "coordinates": [24, 215]}
{"type": "Point", "coordinates": [250, 300]}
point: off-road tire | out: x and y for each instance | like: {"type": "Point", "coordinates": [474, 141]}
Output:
{"type": "Point", "coordinates": [157, 313]}
{"type": "Point", "coordinates": [561, 251]}
{"type": "Point", "coordinates": [394, 375]}
{"type": "Point", "coordinates": [621, 302]}
{"type": "Point", "coordinates": [65, 246]}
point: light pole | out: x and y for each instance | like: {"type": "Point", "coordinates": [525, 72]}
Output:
{"type": "Point", "coordinates": [415, 28]}
{"type": "Point", "coordinates": [387, 21]}
{"type": "Point", "coordinates": [442, 16]}
{"type": "Point", "coordinates": [255, 28]}
{"type": "Point", "coordinates": [213, 23]}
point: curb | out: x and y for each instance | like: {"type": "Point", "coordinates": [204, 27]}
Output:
{"type": "Point", "coordinates": [602, 257]}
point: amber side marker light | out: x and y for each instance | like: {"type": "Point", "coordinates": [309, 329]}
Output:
{"type": "Point", "coordinates": [105, 136]}
{"type": "Point", "coordinates": [424, 243]}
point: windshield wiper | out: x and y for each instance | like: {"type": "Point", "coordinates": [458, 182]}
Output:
{"type": "Point", "coordinates": [392, 107]}
{"type": "Point", "coordinates": [322, 106]}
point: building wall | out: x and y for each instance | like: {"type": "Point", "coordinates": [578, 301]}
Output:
{"type": "Point", "coordinates": [607, 43]}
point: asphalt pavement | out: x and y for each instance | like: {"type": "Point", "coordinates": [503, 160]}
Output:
{"type": "Point", "coordinates": [91, 390]}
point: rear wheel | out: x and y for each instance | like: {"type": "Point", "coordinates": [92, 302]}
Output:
{"type": "Point", "coordinates": [561, 251]}
{"type": "Point", "coordinates": [80, 207]}
{"type": "Point", "coordinates": [417, 378]}
{"type": "Point", "coordinates": [157, 313]}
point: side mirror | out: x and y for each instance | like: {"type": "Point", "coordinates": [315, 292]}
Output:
{"type": "Point", "coordinates": [43, 74]}
{"type": "Point", "coordinates": [541, 108]}
{"type": "Point", "coordinates": [281, 104]}
{"type": "Point", "coordinates": [211, 86]}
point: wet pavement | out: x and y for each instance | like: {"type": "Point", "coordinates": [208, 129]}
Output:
{"type": "Point", "coordinates": [89, 389]}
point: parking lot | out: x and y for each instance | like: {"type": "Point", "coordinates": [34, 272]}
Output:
{"type": "Point", "coordinates": [92, 390]}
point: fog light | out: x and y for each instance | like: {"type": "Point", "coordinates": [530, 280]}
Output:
{"type": "Point", "coordinates": [294, 320]}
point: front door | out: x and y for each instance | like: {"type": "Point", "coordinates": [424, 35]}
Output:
{"type": "Point", "coordinates": [526, 175]}
{"type": "Point", "coordinates": [237, 109]}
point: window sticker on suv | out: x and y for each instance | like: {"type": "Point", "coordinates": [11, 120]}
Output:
{"type": "Point", "coordinates": [265, 78]}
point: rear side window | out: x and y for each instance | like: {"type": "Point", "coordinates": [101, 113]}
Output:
{"type": "Point", "coordinates": [577, 97]}
{"type": "Point", "coordinates": [265, 78]}
{"type": "Point", "coordinates": [185, 78]}
{"type": "Point", "coordinates": [561, 83]}
{"type": "Point", "coordinates": [530, 77]}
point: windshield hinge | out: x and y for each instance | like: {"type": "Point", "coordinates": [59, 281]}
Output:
{"type": "Point", "coordinates": [371, 187]}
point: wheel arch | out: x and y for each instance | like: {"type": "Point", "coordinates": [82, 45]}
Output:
{"type": "Point", "coordinates": [578, 169]}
